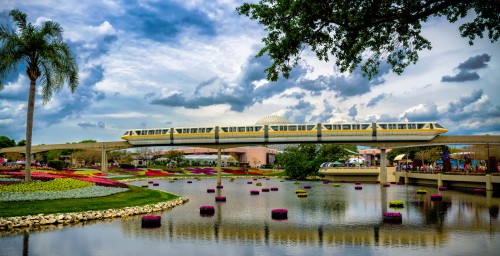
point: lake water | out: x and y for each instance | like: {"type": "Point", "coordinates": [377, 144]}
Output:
{"type": "Point", "coordinates": [330, 221]}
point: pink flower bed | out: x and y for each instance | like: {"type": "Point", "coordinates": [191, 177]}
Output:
{"type": "Point", "coordinates": [279, 214]}
{"type": "Point", "coordinates": [254, 192]}
{"type": "Point", "coordinates": [210, 190]}
{"type": "Point", "coordinates": [265, 190]}
{"type": "Point", "coordinates": [150, 172]}
{"type": "Point", "coordinates": [207, 210]}
{"type": "Point", "coordinates": [274, 189]}
{"type": "Point", "coordinates": [220, 199]}
{"type": "Point", "coordinates": [393, 217]}
{"type": "Point", "coordinates": [150, 221]}
{"type": "Point", "coordinates": [307, 186]}
{"type": "Point", "coordinates": [198, 170]}
{"type": "Point", "coordinates": [105, 182]}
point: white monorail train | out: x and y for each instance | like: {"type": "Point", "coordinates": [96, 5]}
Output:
{"type": "Point", "coordinates": [285, 133]}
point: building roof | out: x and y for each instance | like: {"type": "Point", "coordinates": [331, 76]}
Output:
{"type": "Point", "coordinates": [273, 119]}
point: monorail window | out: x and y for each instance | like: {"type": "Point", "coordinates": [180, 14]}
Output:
{"type": "Point", "coordinates": [202, 130]}
{"type": "Point", "coordinates": [164, 131]}
{"type": "Point", "coordinates": [336, 127]}
{"type": "Point", "coordinates": [144, 132]}
{"type": "Point", "coordinates": [356, 126]}
{"type": "Point", "coordinates": [138, 132]}
{"type": "Point", "coordinates": [328, 126]}
{"type": "Point", "coordinates": [209, 130]}
{"type": "Point", "coordinates": [194, 130]}
{"type": "Point", "coordinates": [185, 130]}
{"type": "Point", "coordinates": [346, 127]}
{"type": "Point", "coordinates": [310, 127]}
{"type": "Point", "coordinates": [383, 126]}
{"type": "Point", "coordinates": [232, 129]}
{"type": "Point", "coordinates": [412, 126]}
{"type": "Point", "coordinates": [126, 133]}
{"type": "Point", "coordinates": [392, 126]}
{"type": "Point", "coordinates": [158, 132]}
{"type": "Point", "coordinates": [292, 128]}
{"type": "Point", "coordinates": [432, 126]}
{"type": "Point", "coordinates": [257, 128]}
{"type": "Point", "coordinates": [249, 129]}
{"type": "Point", "coordinates": [302, 127]}
{"type": "Point", "coordinates": [364, 126]}
{"type": "Point", "coordinates": [151, 132]}
{"type": "Point", "coordinates": [283, 128]}
{"type": "Point", "coordinates": [178, 130]}
{"type": "Point", "coordinates": [438, 125]}
{"type": "Point", "coordinates": [275, 128]}
{"type": "Point", "coordinates": [224, 129]}
{"type": "Point", "coordinates": [420, 126]}
{"type": "Point", "coordinates": [402, 126]}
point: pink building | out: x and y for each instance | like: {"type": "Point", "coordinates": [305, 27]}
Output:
{"type": "Point", "coordinates": [254, 156]}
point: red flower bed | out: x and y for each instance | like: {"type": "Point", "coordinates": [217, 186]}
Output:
{"type": "Point", "coordinates": [279, 214]}
{"type": "Point", "coordinates": [150, 221]}
{"type": "Point", "coordinates": [207, 210]}
{"type": "Point", "coordinates": [150, 172]}
{"type": "Point", "coordinates": [105, 182]}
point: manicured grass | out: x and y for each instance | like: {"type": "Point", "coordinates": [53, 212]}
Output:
{"type": "Point", "coordinates": [136, 196]}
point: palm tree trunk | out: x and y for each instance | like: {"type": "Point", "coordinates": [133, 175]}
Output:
{"type": "Point", "coordinates": [29, 128]}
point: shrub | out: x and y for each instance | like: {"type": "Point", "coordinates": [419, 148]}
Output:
{"type": "Point", "coordinates": [127, 166]}
{"type": "Point", "coordinates": [57, 164]}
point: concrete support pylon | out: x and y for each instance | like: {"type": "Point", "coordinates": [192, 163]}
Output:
{"type": "Point", "coordinates": [104, 159]}
{"type": "Point", "coordinates": [383, 166]}
{"type": "Point", "coordinates": [219, 169]}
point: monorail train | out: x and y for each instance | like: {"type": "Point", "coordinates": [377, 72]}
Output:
{"type": "Point", "coordinates": [285, 133]}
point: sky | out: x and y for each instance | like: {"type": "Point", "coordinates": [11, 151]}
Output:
{"type": "Point", "coordinates": [185, 63]}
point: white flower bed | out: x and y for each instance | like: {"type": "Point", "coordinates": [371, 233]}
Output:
{"type": "Point", "coordinates": [88, 192]}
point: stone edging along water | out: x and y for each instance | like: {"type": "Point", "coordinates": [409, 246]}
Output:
{"type": "Point", "coordinates": [34, 222]}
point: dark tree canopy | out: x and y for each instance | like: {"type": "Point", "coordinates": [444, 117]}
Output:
{"type": "Point", "coordinates": [361, 33]}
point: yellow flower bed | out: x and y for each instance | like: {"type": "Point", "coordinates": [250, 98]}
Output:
{"type": "Point", "coordinates": [53, 185]}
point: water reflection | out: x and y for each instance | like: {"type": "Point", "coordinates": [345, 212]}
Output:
{"type": "Point", "coordinates": [329, 216]}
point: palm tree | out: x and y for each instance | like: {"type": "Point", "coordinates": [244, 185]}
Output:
{"type": "Point", "coordinates": [47, 57]}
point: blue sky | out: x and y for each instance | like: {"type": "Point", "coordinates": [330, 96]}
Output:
{"type": "Point", "coordinates": [191, 63]}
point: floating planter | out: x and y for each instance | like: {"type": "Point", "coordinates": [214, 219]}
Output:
{"type": "Point", "coordinates": [219, 186]}
{"type": "Point", "coordinates": [265, 190]}
{"type": "Point", "coordinates": [386, 185]}
{"type": "Point", "coordinates": [258, 184]}
{"type": "Point", "coordinates": [207, 210]}
{"type": "Point", "coordinates": [443, 188]}
{"type": "Point", "coordinates": [198, 178]}
{"type": "Point", "coordinates": [300, 191]}
{"type": "Point", "coordinates": [296, 182]}
{"type": "Point", "coordinates": [145, 185]}
{"type": "Point", "coordinates": [156, 184]}
{"type": "Point", "coordinates": [326, 182]}
{"type": "Point", "coordinates": [358, 187]}
{"type": "Point", "coordinates": [175, 178]}
{"type": "Point", "coordinates": [267, 178]}
{"type": "Point", "coordinates": [255, 179]}
{"type": "Point", "coordinates": [393, 182]}
{"type": "Point", "coordinates": [171, 181]}
{"type": "Point", "coordinates": [150, 221]}
{"type": "Point", "coordinates": [189, 181]}
{"type": "Point", "coordinates": [249, 182]}
{"type": "Point", "coordinates": [231, 180]}
{"type": "Point", "coordinates": [336, 185]}
{"type": "Point", "coordinates": [220, 199]}
{"type": "Point", "coordinates": [302, 194]}
{"type": "Point", "coordinates": [436, 197]}
{"type": "Point", "coordinates": [254, 192]}
{"type": "Point", "coordinates": [279, 214]}
{"type": "Point", "coordinates": [397, 204]}
{"type": "Point", "coordinates": [150, 182]}
{"type": "Point", "coordinates": [274, 189]}
{"type": "Point", "coordinates": [357, 183]}
{"type": "Point", "coordinates": [421, 191]}
{"type": "Point", "coordinates": [399, 183]}
{"type": "Point", "coordinates": [282, 181]}
{"type": "Point", "coordinates": [210, 190]}
{"type": "Point", "coordinates": [377, 182]}
{"type": "Point", "coordinates": [307, 186]}
{"type": "Point", "coordinates": [393, 217]}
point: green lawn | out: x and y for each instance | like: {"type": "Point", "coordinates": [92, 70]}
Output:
{"type": "Point", "coordinates": [136, 196]}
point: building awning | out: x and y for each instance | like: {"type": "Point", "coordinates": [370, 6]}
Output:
{"type": "Point", "coordinates": [399, 157]}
